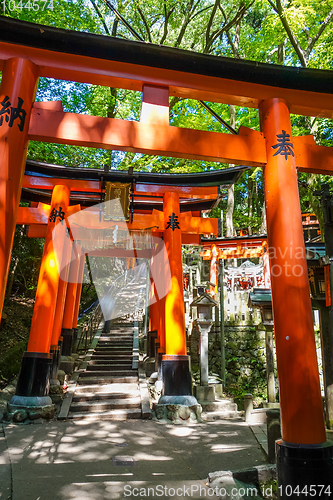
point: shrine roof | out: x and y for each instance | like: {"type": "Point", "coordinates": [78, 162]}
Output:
{"type": "Point", "coordinates": [223, 178]}
{"type": "Point", "coordinates": [197, 191]}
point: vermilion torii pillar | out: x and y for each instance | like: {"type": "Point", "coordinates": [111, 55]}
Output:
{"type": "Point", "coordinates": [78, 299]}
{"type": "Point", "coordinates": [59, 311]}
{"type": "Point", "coordinates": [213, 270]}
{"type": "Point", "coordinates": [302, 458]}
{"type": "Point", "coordinates": [177, 382]}
{"type": "Point", "coordinates": [33, 382]}
{"type": "Point", "coordinates": [67, 324]}
{"type": "Point", "coordinates": [17, 93]}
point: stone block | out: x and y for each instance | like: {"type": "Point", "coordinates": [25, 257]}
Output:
{"type": "Point", "coordinates": [67, 366]}
{"type": "Point", "coordinates": [258, 416]}
{"type": "Point", "coordinates": [61, 376]}
{"type": "Point", "coordinates": [184, 413]}
{"type": "Point", "coordinates": [35, 414]}
{"type": "Point", "coordinates": [20, 416]}
{"type": "Point", "coordinates": [149, 366]}
{"type": "Point", "coordinates": [205, 393]}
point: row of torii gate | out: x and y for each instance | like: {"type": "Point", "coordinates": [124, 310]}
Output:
{"type": "Point", "coordinates": [28, 51]}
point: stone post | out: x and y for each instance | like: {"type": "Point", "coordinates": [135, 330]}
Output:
{"type": "Point", "coordinates": [270, 366]}
{"type": "Point", "coordinates": [273, 432]}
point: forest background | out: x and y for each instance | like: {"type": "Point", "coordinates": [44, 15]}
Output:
{"type": "Point", "coordinates": [286, 32]}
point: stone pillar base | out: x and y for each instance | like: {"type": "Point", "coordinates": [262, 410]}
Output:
{"type": "Point", "coordinates": [55, 351]}
{"type": "Point", "coordinates": [22, 409]}
{"type": "Point", "coordinates": [177, 380]}
{"type": "Point", "coordinates": [107, 326]}
{"type": "Point", "coordinates": [67, 335]}
{"type": "Point", "coordinates": [75, 339]}
{"type": "Point", "coordinates": [34, 377]}
{"type": "Point", "coordinates": [304, 467]}
{"type": "Point", "coordinates": [177, 413]}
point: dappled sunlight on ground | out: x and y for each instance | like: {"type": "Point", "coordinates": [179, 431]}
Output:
{"type": "Point", "coordinates": [95, 460]}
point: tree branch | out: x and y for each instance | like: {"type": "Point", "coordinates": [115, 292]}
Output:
{"type": "Point", "coordinates": [238, 17]}
{"type": "Point", "coordinates": [293, 40]}
{"type": "Point", "coordinates": [209, 25]}
{"type": "Point", "coordinates": [272, 5]}
{"type": "Point", "coordinates": [144, 22]}
{"type": "Point", "coordinates": [166, 22]}
{"type": "Point", "coordinates": [100, 15]}
{"type": "Point", "coordinates": [320, 31]}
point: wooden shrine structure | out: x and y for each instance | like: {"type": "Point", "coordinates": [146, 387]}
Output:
{"type": "Point", "coordinates": [28, 51]}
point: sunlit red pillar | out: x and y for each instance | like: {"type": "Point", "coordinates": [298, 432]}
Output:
{"type": "Point", "coordinates": [153, 308]}
{"type": "Point", "coordinates": [78, 298]}
{"type": "Point", "coordinates": [60, 305]}
{"type": "Point", "coordinates": [67, 323]}
{"type": "Point", "coordinates": [213, 270]}
{"type": "Point", "coordinates": [33, 382]}
{"type": "Point", "coordinates": [300, 398]}
{"type": "Point", "coordinates": [175, 362]}
{"type": "Point", "coordinates": [160, 307]}
{"type": "Point", "coordinates": [265, 265]}
{"type": "Point", "coordinates": [17, 93]}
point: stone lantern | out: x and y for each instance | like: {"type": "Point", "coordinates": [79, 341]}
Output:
{"type": "Point", "coordinates": [262, 298]}
{"type": "Point", "coordinates": [204, 304]}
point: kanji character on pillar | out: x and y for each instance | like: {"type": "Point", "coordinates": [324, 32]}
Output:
{"type": "Point", "coordinates": [11, 114]}
{"type": "Point", "coordinates": [57, 214]}
{"type": "Point", "coordinates": [173, 222]}
{"type": "Point", "coordinates": [5, 110]}
{"type": "Point", "coordinates": [284, 146]}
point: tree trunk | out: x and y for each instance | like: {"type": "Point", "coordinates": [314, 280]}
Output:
{"type": "Point", "coordinates": [250, 191]}
{"type": "Point", "coordinates": [229, 212]}
{"type": "Point", "coordinates": [263, 226]}
{"type": "Point", "coordinates": [11, 277]}
{"type": "Point", "coordinates": [231, 190]}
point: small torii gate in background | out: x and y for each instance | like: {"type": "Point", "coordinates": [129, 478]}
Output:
{"type": "Point", "coordinates": [238, 247]}
{"type": "Point", "coordinates": [28, 51]}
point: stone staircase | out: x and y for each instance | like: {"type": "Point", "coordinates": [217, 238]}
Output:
{"type": "Point", "coordinates": [108, 384]}
{"type": "Point", "coordinates": [219, 409]}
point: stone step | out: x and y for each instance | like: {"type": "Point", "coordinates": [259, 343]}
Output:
{"type": "Point", "coordinates": [106, 380]}
{"type": "Point", "coordinates": [114, 349]}
{"type": "Point", "coordinates": [221, 415]}
{"type": "Point", "coordinates": [110, 367]}
{"type": "Point", "coordinates": [109, 357]}
{"type": "Point", "coordinates": [108, 415]}
{"type": "Point", "coordinates": [107, 372]}
{"type": "Point", "coordinates": [125, 340]}
{"type": "Point", "coordinates": [112, 404]}
{"type": "Point", "coordinates": [222, 405]}
{"type": "Point", "coordinates": [116, 343]}
{"type": "Point", "coordinates": [124, 336]}
{"type": "Point", "coordinates": [111, 362]}
{"type": "Point", "coordinates": [112, 388]}
{"type": "Point", "coordinates": [115, 335]}
{"type": "Point", "coordinates": [109, 352]}
{"type": "Point", "coordinates": [96, 396]}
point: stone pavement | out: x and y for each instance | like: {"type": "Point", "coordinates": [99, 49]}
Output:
{"type": "Point", "coordinates": [260, 433]}
{"type": "Point", "coordinates": [104, 460]}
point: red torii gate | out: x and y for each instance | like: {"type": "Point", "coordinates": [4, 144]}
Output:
{"type": "Point", "coordinates": [28, 51]}
{"type": "Point", "coordinates": [187, 197]}
{"type": "Point", "coordinates": [237, 247]}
